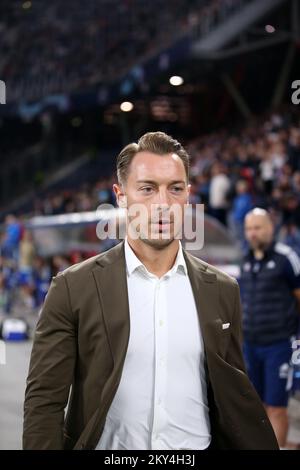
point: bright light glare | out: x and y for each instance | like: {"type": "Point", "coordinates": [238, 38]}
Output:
{"type": "Point", "coordinates": [126, 106]}
{"type": "Point", "coordinates": [176, 80]}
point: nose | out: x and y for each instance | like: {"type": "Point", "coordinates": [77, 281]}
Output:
{"type": "Point", "coordinates": [162, 198]}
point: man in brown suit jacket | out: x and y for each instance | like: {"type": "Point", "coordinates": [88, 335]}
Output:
{"type": "Point", "coordinates": [83, 332]}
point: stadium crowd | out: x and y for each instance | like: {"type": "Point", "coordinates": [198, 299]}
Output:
{"type": "Point", "coordinates": [60, 47]}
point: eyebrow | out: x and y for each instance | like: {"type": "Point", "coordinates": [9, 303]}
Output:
{"type": "Point", "coordinates": [155, 182]}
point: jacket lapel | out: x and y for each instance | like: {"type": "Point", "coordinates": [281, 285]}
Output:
{"type": "Point", "coordinates": [110, 277]}
{"type": "Point", "coordinates": [206, 294]}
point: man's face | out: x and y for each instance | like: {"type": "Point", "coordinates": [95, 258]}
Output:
{"type": "Point", "coordinates": [156, 182]}
{"type": "Point", "coordinates": [258, 231]}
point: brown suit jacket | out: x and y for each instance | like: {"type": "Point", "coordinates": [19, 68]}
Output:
{"type": "Point", "coordinates": [81, 340]}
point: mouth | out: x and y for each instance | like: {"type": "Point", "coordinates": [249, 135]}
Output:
{"type": "Point", "coordinates": [162, 222]}
{"type": "Point", "coordinates": [162, 225]}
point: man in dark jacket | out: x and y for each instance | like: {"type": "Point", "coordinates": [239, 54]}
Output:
{"type": "Point", "coordinates": [270, 290]}
{"type": "Point", "coordinates": [148, 336]}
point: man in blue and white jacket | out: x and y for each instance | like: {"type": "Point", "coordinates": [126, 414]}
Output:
{"type": "Point", "coordinates": [270, 292]}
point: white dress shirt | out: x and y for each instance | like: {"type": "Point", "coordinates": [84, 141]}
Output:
{"type": "Point", "coordinates": [161, 401]}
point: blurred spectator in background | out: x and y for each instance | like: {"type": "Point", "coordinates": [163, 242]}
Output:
{"type": "Point", "coordinates": [3, 294]}
{"type": "Point", "coordinates": [219, 192]}
{"type": "Point", "coordinates": [12, 236]}
{"type": "Point", "coordinates": [290, 235]}
{"type": "Point", "coordinates": [270, 293]}
{"type": "Point", "coordinates": [9, 282]}
{"type": "Point", "coordinates": [60, 263]}
{"type": "Point", "coordinates": [25, 297]}
{"type": "Point", "coordinates": [27, 253]}
{"type": "Point", "coordinates": [242, 204]}
{"type": "Point", "coordinates": [294, 148]}
{"type": "Point", "coordinates": [42, 276]}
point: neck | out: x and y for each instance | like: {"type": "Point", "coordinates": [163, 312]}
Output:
{"type": "Point", "coordinates": [158, 261]}
{"type": "Point", "coordinates": [258, 254]}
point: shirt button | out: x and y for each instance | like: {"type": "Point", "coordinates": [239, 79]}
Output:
{"type": "Point", "coordinates": [161, 322]}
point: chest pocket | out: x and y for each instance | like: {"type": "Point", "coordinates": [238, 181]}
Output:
{"type": "Point", "coordinates": [218, 333]}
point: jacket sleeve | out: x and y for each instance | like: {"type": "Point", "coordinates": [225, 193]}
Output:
{"type": "Point", "coordinates": [51, 370]}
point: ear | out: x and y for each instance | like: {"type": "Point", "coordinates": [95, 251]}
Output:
{"type": "Point", "coordinates": [120, 195]}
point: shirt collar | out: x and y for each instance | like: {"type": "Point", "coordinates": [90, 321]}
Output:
{"type": "Point", "coordinates": [134, 263]}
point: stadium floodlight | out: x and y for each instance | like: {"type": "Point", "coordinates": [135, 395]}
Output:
{"type": "Point", "coordinates": [176, 80]}
{"type": "Point", "coordinates": [26, 5]}
{"type": "Point", "coordinates": [126, 106]}
{"type": "Point", "coordinates": [269, 28]}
